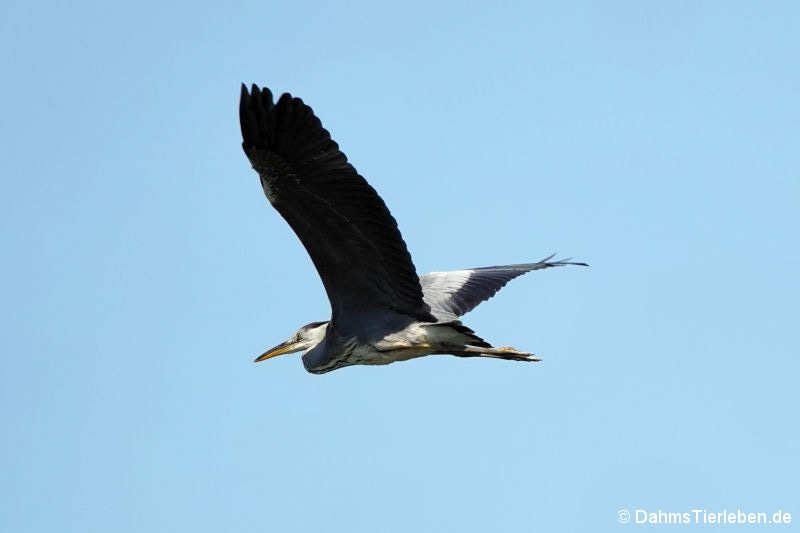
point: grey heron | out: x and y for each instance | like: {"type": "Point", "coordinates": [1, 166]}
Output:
{"type": "Point", "coordinates": [381, 311]}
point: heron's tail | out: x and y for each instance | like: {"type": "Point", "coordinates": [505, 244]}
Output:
{"type": "Point", "coordinates": [451, 333]}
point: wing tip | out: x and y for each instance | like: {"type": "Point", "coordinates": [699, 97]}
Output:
{"type": "Point", "coordinates": [560, 262]}
{"type": "Point", "coordinates": [287, 125]}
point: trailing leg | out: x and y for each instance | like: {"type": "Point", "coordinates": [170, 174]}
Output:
{"type": "Point", "coordinates": [504, 352]}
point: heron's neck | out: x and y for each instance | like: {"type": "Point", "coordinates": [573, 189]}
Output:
{"type": "Point", "coordinates": [316, 335]}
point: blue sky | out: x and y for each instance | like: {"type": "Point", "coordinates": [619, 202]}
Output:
{"type": "Point", "coordinates": [144, 269]}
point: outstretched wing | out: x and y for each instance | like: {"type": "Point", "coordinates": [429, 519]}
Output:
{"type": "Point", "coordinates": [344, 225]}
{"type": "Point", "coordinates": [452, 294]}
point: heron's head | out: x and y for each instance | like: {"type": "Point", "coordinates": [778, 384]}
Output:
{"type": "Point", "coordinates": [306, 338]}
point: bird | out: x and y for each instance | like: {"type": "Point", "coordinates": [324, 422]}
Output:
{"type": "Point", "coordinates": [381, 310]}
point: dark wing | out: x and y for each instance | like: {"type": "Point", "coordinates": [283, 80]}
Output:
{"type": "Point", "coordinates": [346, 228]}
{"type": "Point", "coordinates": [452, 294]}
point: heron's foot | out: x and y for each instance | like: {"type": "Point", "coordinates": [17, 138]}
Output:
{"type": "Point", "coordinates": [513, 355]}
{"type": "Point", "coordinates": [507, 352]}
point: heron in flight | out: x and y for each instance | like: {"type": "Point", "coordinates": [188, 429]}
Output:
{"type": "Point", "coordinates": [381, 310]}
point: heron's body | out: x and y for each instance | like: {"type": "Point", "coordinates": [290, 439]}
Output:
{"type": "Point", "coordinates": [416, 339]}
{"type": "Point", "coordinates": [381, 311]}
